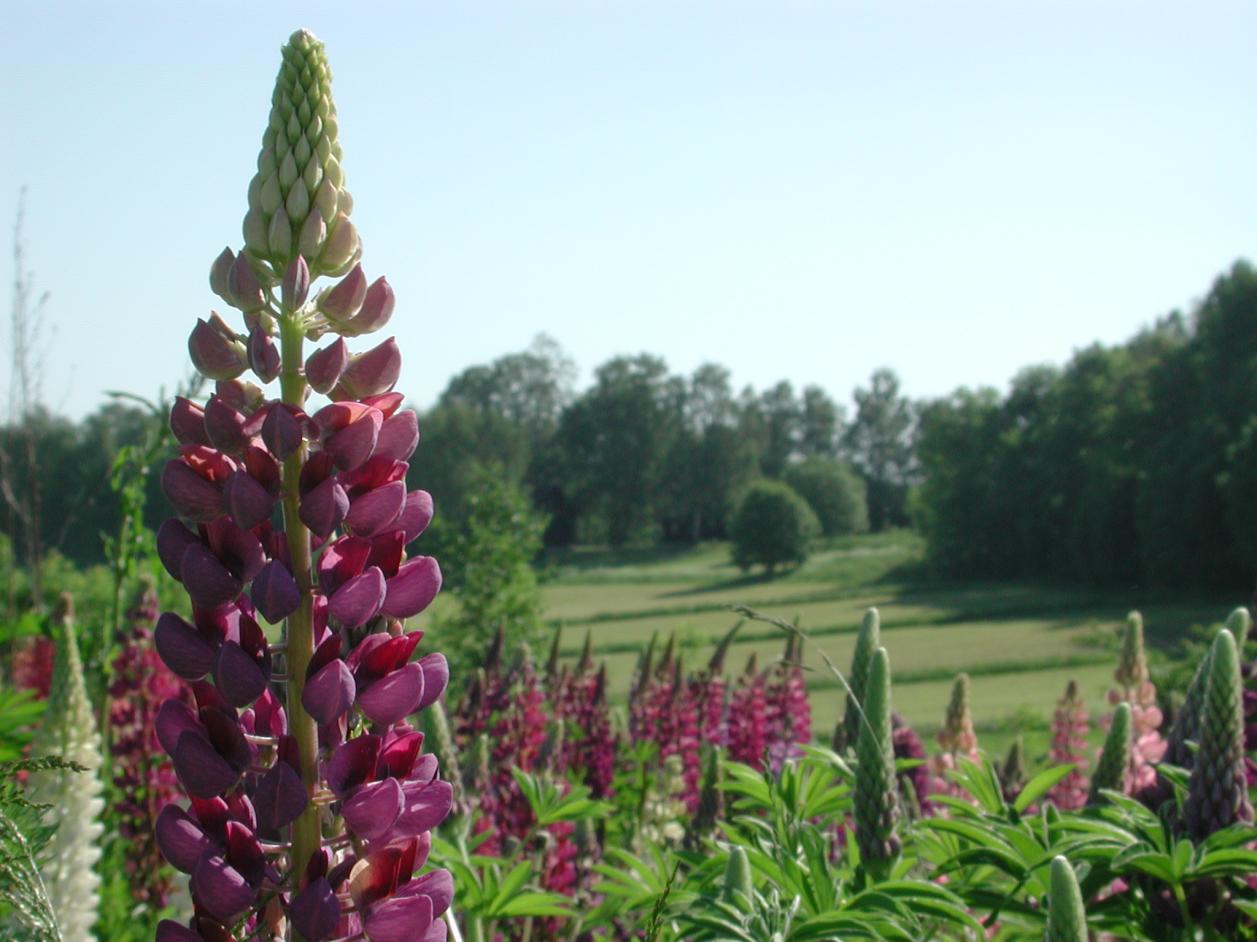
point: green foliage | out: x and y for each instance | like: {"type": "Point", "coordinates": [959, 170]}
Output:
{"type": "Point", "coordinates": [880, 444]}
{"type": "Point", "coordinates": [772, 525]}
{"type": "Point", "coordinates": [836, 494]}
{"type": "Point", "coordinates": [495, 587]}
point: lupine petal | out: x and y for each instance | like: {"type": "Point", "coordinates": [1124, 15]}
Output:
{"type": "Point", "coordinates": [315, 911]}
{"type": "Point", "coordinates": [225, 425]}
{"type": "Point", "coordinates": [182, 648]}
{"type": "Point", "coordinates": [438, 885]}
{"type": "Point", "coordinates": [238, 675]}
{"type": "Point", "coordinates": [203, 772]}
{"type": "Point", "coordinates": [174, 718]}
{"type": "Point", "coordinates": [371, 810]}
{"type": "Point", "coordinates": [376, 510]}
{"type": "Point", "coordinates": [353, 444]}
{"type": "Point", "coordinates": [170, 931]}
{"type": "Point", "coordinates": [417, 514]}
{"type": "Point", "coordinates": [187, 421]}
{"type": "Point", "coordinates": [221, 889]}
{"type": "Point", "coordinates": [329, 694]}
{"type": "Point", "coordinates": [370, 373]}
{"type": "Point", "coordinates": [359, 599]}
{"type": "Point", "coordinates": [426, 805]}
{"type": "Point", "coordinates": [436, 675]}
{"type": "Point", "coordinates": [324, 507]}
{"type": "Point", "coordinates": [352, 764]}
{"type": "Point", "coordinates": [246, 500]}
{"type": "Point", "coordinates": [275, 592]}
{"type": "Point", "coordinates": [323, 367]}
{"type": "Point", "coordinates": [189, 493]}
{"type": "Point", "coordinates": [208, 582]}
{"type": "Point", "coordinates": [181, 839]}
{"type": "Point", "coordinates": [280, 797]}
{"type": "Point", "coordinates": [393, 697]}
{"type": "Point", "coordinates": [341, 561]}
{"type": "Point", "coordinates": [399, 436]}
{"type": "Point", "coordinates": [281, 431]}
{"type": "Point", "coordinates": [413, 588]}
{"type": "Point", "coordinates": [236, 548]}
{"type": "Point", "coordinates": [399, 919]}
{"type": "Point", "coordinates": [173, 538]}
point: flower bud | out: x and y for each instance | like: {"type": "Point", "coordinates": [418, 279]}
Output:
{"type": "Point", "coordinates": [219, 273]}
{"type": "Point", "coordinates": [187, 422]}
{"type": "Point", "coordinates": [344, 300]}
{"type": "Point", "coordinates": [377, 308]}
{"type": "Point", "coordinates": [244, 286]}
{"type": "Point", "coordinates": [370, 373]}
{"type": "Point", "coordinates": [324, 367]}
{"type": "Point", "coordinates": [263, 355]}
{"type": "Point", "coordinates": [342, 248]}
{"type": "Point", "coordinates": [214, 355]}
{"type": "Point", "coordinates": [296, 284]}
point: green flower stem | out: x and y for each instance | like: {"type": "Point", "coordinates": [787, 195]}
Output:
{"type": "Point", "coordinates": [306, 833]}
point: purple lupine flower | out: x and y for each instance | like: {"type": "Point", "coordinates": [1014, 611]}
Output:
{"type": "Point", "coordinates": [748, 736]}
{"type": "Point", "coordinates": [907, 745]}
{"type": "Point", "coordinates": [307, 786]}
{"type": "Point", "coordinates": [789, 718]}
{"type": "Point", "coordinates": [144, 783]}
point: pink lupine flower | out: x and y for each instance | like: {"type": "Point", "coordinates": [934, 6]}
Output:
{"type": "Point", "coordinates": [748, 735]}
{"type": "Point", "coordinates": [31, 668]}
{"type": "Point", "coordinates": [789, 720]}
{"type": "Point", "coordinates": [1070, 731]}
{"type": "Point", "coordinates": [956, 740]}
{"type": "Point", "coordinates": [1136, 689]}
{"type": "Point", "coordinates": [141, 683]}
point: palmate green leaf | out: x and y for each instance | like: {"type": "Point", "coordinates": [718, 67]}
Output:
{"type": "Point", "coordinates": [1226, 862]}
{"type": "Point", "coordinates": [845, 925]}
{"type": "Point", "coordinates": [1002, 860]}
{"type": "Point", "coordinates": [1040, 785]}
{"type": "Point", "coordinates": [1233, 836]}
{"type": "Point", "coordinates": [533, 903]}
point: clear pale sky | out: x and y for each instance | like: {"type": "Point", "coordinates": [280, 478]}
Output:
{"type": "Point", "coordinates": [795, 190]}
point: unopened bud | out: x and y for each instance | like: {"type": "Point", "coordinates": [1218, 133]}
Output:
{"type": "Point", "coordinates": [263, 355]}
{"type": "Point", "coordinates": [376, 310]}
{"type": "Point", "coordinates": [296, 285]}
{"type": "Point", "coordinates": [213, 354]}
{"type": "Point", "coordinates": [342, 248]}
{"type": "Point", "coordinates": [219, 273]}
{"type": "Point", "coordinates": [370, 373]}
{"type": "Point", "coordinates": [246, 290]}
{"type": "Point", "coordinates": [344, 300]}
{"type": "Point", "coordinates": [324, 367]}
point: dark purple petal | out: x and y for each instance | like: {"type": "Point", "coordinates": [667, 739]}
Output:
{"type": "Point", "coordinates": [370, 373]}
{"type": "Point", "coordinates": [399, 919]}
{"type": "Point", "coordinates": [393, 697]}
{"type": "Point", "coordinates": [324, 507]}
{"type": "Point", "coordinates": [413, 588]}
{"type": "Point", "coordinates": [377, 509]}
{"type": "Point", "coordinates": [248, 502]}
{"type": "Point", "coordinates": [203, 772]}
{"type": "Point", "coordinates": [352, 764]}
{"type": "Point", "coordinates": [208, 582]}
{"type": "Point", "coordinates": [244, 852]}
{"type": "Point", "coordinates": [173, 538]}
{"type": "Point", "coordinates": [353, 444]}
{"type": "Point", "coordinates": [182, 648]}
{"type": "Point", "coordinates": [296, 284]}
{"type": "Point", "coordinates": [174, 718]}
{"type": "Point", "coordinates": [329, 694]}
{"type": "Point", "coordinates": [281, 432]}
{"type": "Point", "coordinates": [180, 838]}
{"type": "Point", "coordinates": [436, 675]}
{"type": "Point", "coordinates": [213, 354]}
{"type": "Point", "coordinates": [359, 599]}
{"type": "Point", "coordinates": [417, 514]}
{"type": "Point", "coordinates": [239, 676]}
{"type": "Point", "coordinates": [274, 592]}
{"type": "Point", "coordinates": [263, 355]}
{"type": "Point", "coordinates": [189, 493]}
{"type": "Point", "coordinates": [323, 367]}
{"type": "Point", "coordinates": [341, 561]}
{"type": "Point", "coordinates": [187, 421]}
{"type": "Point", "coordinates": [225, 425]}
{"type": "Point", "coordinates": [220, 889]}
{"type": "Point", "coordinates": [236, 548]}
{"type": "Point", "coordinates": [170, 931]}
{"type": "Point", "coordinates": [279, 798]}
{"type": "Point", "coordinates": [315, 911]}
{"type": "Point", "coordinates": [371, 810]}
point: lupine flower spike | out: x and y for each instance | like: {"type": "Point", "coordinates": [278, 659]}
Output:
{"type": "Point", "coordinates": [1012, 773]}
{"type": "Point", "coordinates": [1113, 770]}
{"type": "Point", "coordinates": [76, 800]}
{"type": "Point", "coordinates": [1135, 688]}
{"type": "Point", "coordinates": [311, 800]}
{"type": "Point", "coordinates": [956, 740]}
{"type": "Point", "coordinates": [1217, 794]}
{"type": "Point", "coordinates": [1067, 917]}
{"type": "Point", "coordinates": [866, 644]}
{"type": "Point", "coordinates": [914, 783]}
{"type": "Point", "coordinates": [1070, 728]}
{"type": "Point", "coordinates": [876, 793]}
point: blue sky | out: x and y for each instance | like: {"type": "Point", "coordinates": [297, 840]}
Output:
{"type": "Point", "coordinates": [795, 190]}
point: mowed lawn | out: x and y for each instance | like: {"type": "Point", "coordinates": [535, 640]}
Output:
{"type": "Point", "coordinates": [1020, 643]}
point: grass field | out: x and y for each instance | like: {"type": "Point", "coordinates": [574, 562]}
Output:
{"type": "Point", "coordinates": [1020, 643]}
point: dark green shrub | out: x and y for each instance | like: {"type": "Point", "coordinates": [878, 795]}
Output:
{"type": "Point", "coordinates": [836, 494]}
{"type": "Point", "coordinates": [772, 525]}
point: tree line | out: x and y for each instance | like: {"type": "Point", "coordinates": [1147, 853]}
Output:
{"type": "Point", "coordinates": [1133, 464]}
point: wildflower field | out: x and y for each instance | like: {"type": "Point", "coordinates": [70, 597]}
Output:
{"type": "Point", "coordinates": [263, 719]}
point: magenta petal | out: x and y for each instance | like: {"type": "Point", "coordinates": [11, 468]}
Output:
{"type": "Point", "coordinates": [187, 421]}
{"type": "Point", "coordinates": [393, 697]}
{"type": "Point", "coordinates": [182, 648]}
{"type": "Point", "coordinates": [225, 425]}
{"type": "Point", "coordinates": [274, 592]}
{"type": "Point", "coordinates": [281, 432]}
{"type": "Point", "coordinates": [315, 911]}
{"type": "Point", "coordinates": [373, 372]}
{"type": "Point", "coordinates": [170, 931]}
{"type": "Point", "coordinates": [359, 599]}
{"type": "Point", "coordinates": [323, 367]}
{"type": "Point", "coordinates": [203, 772]}
{"type": "Point", "coordinates": [352, 764]}
{"type": "Point", "coordinates": [399, 919]}
{"type": "Point", "coordinates": [436, 675]}
{"type": "Point", "coordinates": [238, 675]}
{"type": "Point", "coordinates": [174, 718]}
{"type": "Point", "coordinates": [436, 932]}
{"type": "Point", "coordinates": [417, 514]}
{"type": "Point", "coordinates": [323, 507]}
{"type": "Point", "coordinates": [280, 797]}
{"type": "Point", "coordinates": [413, 588]}
{"type": "Point", "coordinates": [399, 436]}
{"type": "Point", "coordinates": [341, 561]}
{"type": "Point", "coordinates": [427, 804]}
{"type": "Point", "coordinates": [208, 582]}
{"type": "Point", "coordinates": [372, 809]}
{"type": "Point", "coordinates": [353, 444]}
{"type": "Point", "coordinates": [377, 509]}
{"type": "Point", "coordinates": [438, 886]}
{"type": "Point", "coordinates": [189, 493]}
{"type": "Point", "coordinates": [180, 838]}
{"type": "Point", "coordinates": [220, 889]}
{"type": "Point", "coordinates": [329, 694]}
{"type": "Point", "coordinates": [247, 501]}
